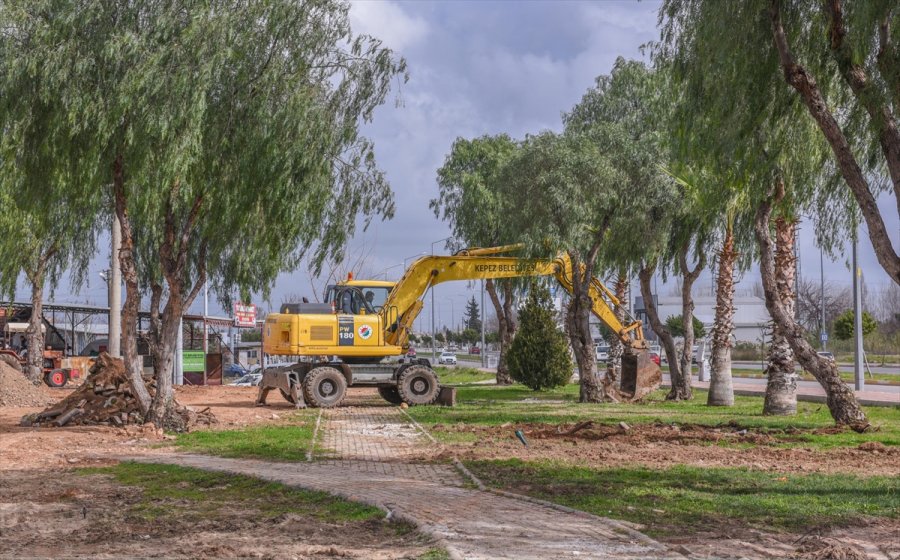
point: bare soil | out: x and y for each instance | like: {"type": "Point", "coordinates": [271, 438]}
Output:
{"type": "Point", "coordinates": [92, 515]}
{"type": "Point", "coordinates": [663, 446]}
{"type": "Point", "coordinates": [42, 499]}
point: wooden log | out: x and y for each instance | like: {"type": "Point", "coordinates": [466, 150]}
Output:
{"type": "Point", "coordinates": [68, 416]}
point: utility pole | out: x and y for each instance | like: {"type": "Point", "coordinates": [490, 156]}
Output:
{"type": "Point", "coordinates": [483, 353]}
{"type": "Point", "coordinates": [114, 346]}
{"type": "Point", "coordinates": [859, 379]}
{"type": "Point", "coordinates": [431, 288]}
{"type": "Point", "coordinates": [823, 336]}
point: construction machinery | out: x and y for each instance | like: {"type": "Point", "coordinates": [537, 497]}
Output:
{"type": "Point", "coordinates": [55, 374]}
{"type": "Point", "coordinates": [356, 337]}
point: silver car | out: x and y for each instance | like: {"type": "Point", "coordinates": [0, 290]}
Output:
{"type": "Point", "coordinates": [447, 358]}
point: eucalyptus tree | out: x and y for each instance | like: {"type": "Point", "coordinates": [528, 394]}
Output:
{"type": "Point", "coordinates": [568, 194]}
{"type": "Point", "coordinates": [471, 199]}
{"type": "Point", "coordinates": [231, 140]}
{"type": "Point", "coordinates": [625, 115]}
{"type": "Point", "coordinates": [840, 60]}
{"type": "Point", "coordinates": [748, 126]}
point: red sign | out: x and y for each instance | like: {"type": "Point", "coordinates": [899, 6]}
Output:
{"type": "Point", "coordinates": [244, 315]}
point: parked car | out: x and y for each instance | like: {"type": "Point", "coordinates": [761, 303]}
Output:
{"type": "Point", "coordinates": [447, 358]}
{"type": "Point", "coordinates": [235, 370]}
{"type": "Point", "coordinates": [602, 353]}
{"type": "Point", "coordinates": [249, 380]}
{"type": "Point", "coordinates": [828, 355]}
{"type": "Point", "coordinates": [475, 350]}
{"type": "Point", "coordinates": [411, 353]}
{"type": "Point", "coordinates": [655, 357]}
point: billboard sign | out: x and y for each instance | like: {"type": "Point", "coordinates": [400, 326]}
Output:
{"type": "Point", "coordinates": [244, 315]}
{"type": "Point", "coordinates": [193, 360]}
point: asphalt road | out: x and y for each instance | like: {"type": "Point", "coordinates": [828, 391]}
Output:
{"type": "Point", "coordinates": [889, 369]}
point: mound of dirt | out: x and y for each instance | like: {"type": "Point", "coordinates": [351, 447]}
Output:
{"type": "Point", "coordinates": [819, 548]}
{"type": "Point", "coordinates": [17, 390]}
{"type": "Point", "coordinates": [107, 398]}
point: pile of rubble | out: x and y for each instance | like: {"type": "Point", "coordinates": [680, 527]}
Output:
{"type": "Point", "coordinates": [17, 390]}
{"type": "Point", "coordinates": [106, 398]}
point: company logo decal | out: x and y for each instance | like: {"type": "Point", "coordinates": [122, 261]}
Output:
{"type": "Point", "coordinates": [365, 331]}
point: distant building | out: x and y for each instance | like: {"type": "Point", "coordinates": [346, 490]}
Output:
{"type": "Point", "coordinates": [751, 318]}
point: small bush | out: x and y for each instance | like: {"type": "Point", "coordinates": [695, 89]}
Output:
{"type": "Point", "coordinates": [539, 354]}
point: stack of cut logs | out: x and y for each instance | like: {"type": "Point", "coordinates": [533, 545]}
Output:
{"type": "Point", "coordinates": [106, 398]}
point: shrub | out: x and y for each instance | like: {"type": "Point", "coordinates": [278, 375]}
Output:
{"type": "Point", "coordinates": [539, 354]}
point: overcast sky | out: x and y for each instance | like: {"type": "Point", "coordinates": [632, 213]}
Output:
{"type": "Point", "coordinates": [486, 68]}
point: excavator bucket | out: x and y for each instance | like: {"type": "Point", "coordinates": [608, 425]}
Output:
{"type": "Point", "coordinates": [640, 375]}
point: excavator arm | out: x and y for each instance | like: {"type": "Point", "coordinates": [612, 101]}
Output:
{"type": "Point", "coordinates": [405, 300]}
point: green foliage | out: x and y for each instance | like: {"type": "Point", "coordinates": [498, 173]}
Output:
{"type": "Point", "coordinates": [440, 337]}
{"type": "Point", "coordinates": [673, 323]}
{"type": "Point", "coordinates": [426, 339]}
{"type": "Point", "coordinates": [470, 336]}
{"type": "Point", "coordinates": [539, 355]}
{"type": "Point", "coordinates": [682, 500]}
{"type": "Point", "coordinates": [248, 114]}
{"type": "Point", "coordinates": [844, 327]}
{"type": "Point", "coordinates": [288, 443]}
{"type": "Point", "coordinates": [473, 315]}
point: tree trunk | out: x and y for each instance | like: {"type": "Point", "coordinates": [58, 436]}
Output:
{"type": "Point", "coordinates": [616, 348]}
{"type": "Point", "coordinates": [681, 384]}
{"type": "Point", "coordinates": [721, 390]}
{"type": "Point", "coordinates": [506, 326]}
{"type": "Point", "coordinates": [162, 408]}
{"type": "Point", "coordinates": [841, 401]}
{"type": "Point", "coordinates": [34, 368]}
{"type": "Point", "coordinates": [781, 387]}
{"type": "Point", "coordinates": [662, 332]}
{"type": "Point", "coordinates": [805, 84]}
{"type": "Point", "coordinates": [133, 364]}
{"type": "Point", "coordinates": [578, 327]}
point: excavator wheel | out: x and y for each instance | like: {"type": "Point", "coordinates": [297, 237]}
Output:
{"type": "Point", "coordinates": [324, 387]}
{"type": "Point", "coordinates": [418, 385]}
{"type": "Point", "coordinates": [11, 361]}
{"type": "Point", "coordinates": [390, 394]}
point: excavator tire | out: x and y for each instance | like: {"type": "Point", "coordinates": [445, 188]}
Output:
{"type": "Point", "coordinates": [324, 387]}
{"type": "Point", "coordinates": [418, 385]}
{"type": "Point", "coordinates": [11, 361]}
{"type": "Point", "coordinates": [390, 394]}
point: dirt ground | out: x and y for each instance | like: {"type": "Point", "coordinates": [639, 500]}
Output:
{"type": "Point", "coordinates": [662, 446]}
{"type": "Point", "coordinates": [91, 515]}
{"type": "Point", "coordinates": [44, 519]}
{"type": "Point", "coordinates": [41, 519]}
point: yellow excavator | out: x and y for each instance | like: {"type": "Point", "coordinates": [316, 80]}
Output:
{"type": "Point", "coordinates": [359, 335]}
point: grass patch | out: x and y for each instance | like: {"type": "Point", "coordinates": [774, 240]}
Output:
{"type": "Point", "coordinates": [493, 405]}
{"type": "Point", "coordinates": [169, 489]}
{"type": "Point", "coordinates": [286, 443]}
{"type": "Point", "coordinates": [684, 499]}
{"type": "Point", "coordinates": [462, 375]}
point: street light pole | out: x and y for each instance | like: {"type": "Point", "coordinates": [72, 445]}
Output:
{"type": "Point", "coordinates": [433, 331]}
{"type": "Point", "coordinates": [482, 324]}
{"type": "Point", "coordinates": [823, 336]}
{"type": "Point", "coordinates": [859, 380]}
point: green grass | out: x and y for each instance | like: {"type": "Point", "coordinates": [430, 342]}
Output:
{"type": "Point", "coordinates": [493, 405]}
{"type": "Point", "coordinates": [170, 490]}
{"type": "Point", "coordinates": [462, 375]}
{"type": "Point", "coordinates": [683, 499]}
{"type": "Point", "coordinates": [286, 443]}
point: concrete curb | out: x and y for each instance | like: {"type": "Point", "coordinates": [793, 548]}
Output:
{"type": "Point", "coordinates": [312, 444]}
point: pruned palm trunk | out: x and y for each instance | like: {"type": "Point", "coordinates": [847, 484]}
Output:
{"type": "Point", "coordinates": [507, 325]}
{"type": "Point", "coordinates": [681, 383]}
{"type": "Point", "coordinates": [616, 348]}
{"type": "Point", "coordinates": [134, 366]}
{"type": "Point", "coordinates": [781, 387]}
{"type": "Point", "coordinates": [721, 389]}
{"type": "Point", "coordinates": [662, 332]}
{"type": "Point", "coordinates": [841, 401]}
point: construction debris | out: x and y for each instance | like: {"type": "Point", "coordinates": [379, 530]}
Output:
{"type": "Point", "coordinates": [17, 390]}
{"type": "Point", "coordinates": [106, 398]}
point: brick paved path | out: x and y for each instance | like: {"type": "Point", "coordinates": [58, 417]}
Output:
{"type": "Point", "coordinates": [370, 456]}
